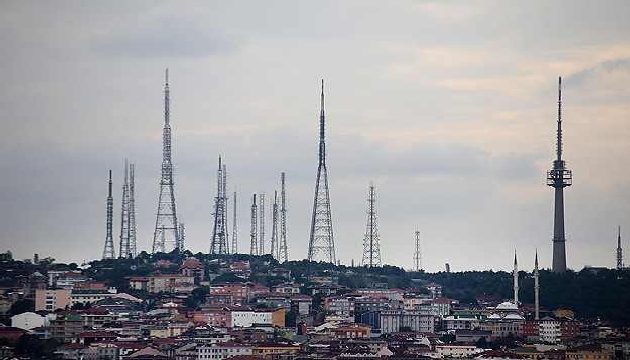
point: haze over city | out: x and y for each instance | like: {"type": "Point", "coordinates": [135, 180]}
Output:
{"type": "Point", "coordinates": [449, 108]}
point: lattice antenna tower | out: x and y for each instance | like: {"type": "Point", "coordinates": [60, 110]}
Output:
{"type": "Point", "coordinates": [181, 244]}
{"type": "Point", "coordinates": [166, 228]}
{"type": "Point", "coordinates": [253, 231]}
{"type": "Point", "coordinates": [321, 242]}
{"type": "Point", "coordinates": [234, 228]}
{"type": "Point", "coordinates": [218, 244]}
{"type": "Point", "coordinates": [133, 229]}
{"type": "Point", "coordinates": [371, 241]}
{"type": "Point", "coordinates": [225, 210]}
{"type": "Point", "coordinates": [108, 250]}
{"type": "Point", "coordinates": [124, 248]}
{"type": "Point", "coordinates": [283, 251]}
{"type": "Point", "coordinates": [261, 224]}
{"type": "Point", "coordinates": [417, 255]}
{"type": "Point", "coordinates": [275, 246]}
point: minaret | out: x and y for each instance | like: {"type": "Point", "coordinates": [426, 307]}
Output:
{"type": "Point", "coordinates": [321, 240]}
{"type": "Point", "coordinates": [124, 248]}
{"type": "Point", "coordinates": [559, 178]}
{"type": "Point", "coordinates": [619, 251]}
{"type": "Point", "coordinates": [515, 273]}
{"type": "Point", "coordinates": [371, 241]}
{"type": "Point", "coordinates": [536, 289]}
{"type": "Point", "coordinates": [166, 228]}
{"type": "Point", "coordinates": [108, 251]}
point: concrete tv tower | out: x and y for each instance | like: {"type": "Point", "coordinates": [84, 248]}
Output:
{"type": "Point", "coordinates": [559, 177]}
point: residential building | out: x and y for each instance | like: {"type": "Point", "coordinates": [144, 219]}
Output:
{"type": "Point", "coordinates": [406, 320]}
{"type": "Point", "coordinates": [51, 300]}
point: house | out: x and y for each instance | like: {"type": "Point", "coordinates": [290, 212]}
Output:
{"type": "Point", "coordinates": [28, 321]}
{"type": "Point", "coordinates": [192, 267]}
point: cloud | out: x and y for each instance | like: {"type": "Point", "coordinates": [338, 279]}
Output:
{"type": "Point", "coordinates": [167, 37]}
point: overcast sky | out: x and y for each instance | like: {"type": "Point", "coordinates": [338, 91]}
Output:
{"type": "Point", "coordinates": [449, 108]}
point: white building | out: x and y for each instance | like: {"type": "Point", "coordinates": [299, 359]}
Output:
{"type": "Point", "coordinates": [246, 318]}
{"type": "Point", "coordinates": [91, 296]}
{"type": "Point", "coordinates": [457, 351]}
{"type": "Point", "coordinates": [396, 320]}
{"type": "Point", "coordinates": [549, 331]}
{"type": "Point", "coordinates": [222, 351]}
{"type": "Point", "coordinates": [28, 320]}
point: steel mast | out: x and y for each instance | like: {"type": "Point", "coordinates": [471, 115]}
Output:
{"type": "Point", "coordinates": [166, 228]}
{"type": "Point", "coordinates": [108, 250]}
{"type": "Point", "coordinates": [321, 242]}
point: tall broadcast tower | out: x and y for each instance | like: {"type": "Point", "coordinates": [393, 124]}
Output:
{"type": "Point", "coordinates": [124, 249]}
{"type": "Point", "coordinates": [417, 256]}
{"type": "Point", "coordinates": [275, 246]}
{"type": "Point", "coordinates": [261, 224]}
{"type": "Point", "coordinates": [166, 235]}
{"type": "Point", "coordinates": [108, 250]}
{"type": "Point", "coordinates": [559, 178]}
{"type": "Point", "coordinates": [133, 229]}
{"type": "Point", "coordinates": [371, 241]}
{"type": "Point", "coordinates": [219, 242]}
{"type": "Point", "coordinates": [253, 231]}
{"type": "Point", "coordinates": [234, 228]}
{"type": "Point", "coordinates": [284, 252]}
{"type": "Point", "coordinates": [619, 251]}
{"type": "Point", "coordinates": [321, 243]}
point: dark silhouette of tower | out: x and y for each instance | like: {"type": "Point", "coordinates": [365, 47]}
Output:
{"type": "Point", "coordinates": [133, 243]}
{"type": "Point", "coordinates": [124, 249]}
{"type": "Point", "coordinates": [515, 275]}
{"type": "Point", "coordinates": [108, 250]}
{"type": "Point", "coordinates": [166, 228]}
{"type": "Point", "coordinates": [417, 256]}
{"type": "Point", "coordinates": [559, 178]}
{"type": "Point", "coordinates": [536, 289]}
{"type": "Point", "coordinates": [275, 246]}
{"type": "Point", "coordinates": [372, 240]}
{"type": "Point", "coordinates": [284, 251]}
{"type": "Point", "coordinates": [321, 243]}
{"type": "Point", "coordinates": [253, 231]}
{"type": "Point", "coordinates": [261, 224]}
{"type": "Point", "coordinates": [234, 229]}
{"type": "Point", "coordinates": [218, 244]}
{"type": "Point", "coordinates": [619, 251]}
{"type": "Point", "coordinates": [181, 244]}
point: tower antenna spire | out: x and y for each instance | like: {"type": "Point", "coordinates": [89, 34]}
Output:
{"type": "Point", "coordinates": [166, 219]}
{"type": "Point", "coordinates": [321, 240]}
{"type": "Point", "coordinates": [619, 250]}
{"type": "Point", "coordinates": [108, 250]}
{"type": "Point", "coordinates": [559, 177]}
{"type": "Point", "coordinates": [219, 242]}
{"type": "Point", "coordinates": [284, 252]}
{"type": "Point", "coordinates": [536, 289]}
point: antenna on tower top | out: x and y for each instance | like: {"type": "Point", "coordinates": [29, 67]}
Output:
{"type": "Point", "coordinates": [559, 145]}
{"type": "Point", "coordinates": [166, 77]}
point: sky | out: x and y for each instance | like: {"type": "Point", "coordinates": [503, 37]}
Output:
{"type": "Point", "coordinates": [449, 108]}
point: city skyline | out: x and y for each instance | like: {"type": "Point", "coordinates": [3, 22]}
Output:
{"type": "Point", "coordinates": [456, 131]}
